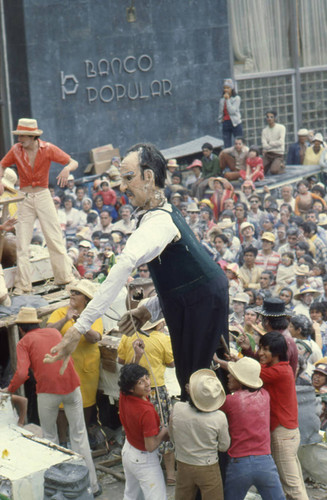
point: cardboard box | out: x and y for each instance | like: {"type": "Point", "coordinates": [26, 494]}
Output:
{"type": "Point", "coordinates": [100, 153]}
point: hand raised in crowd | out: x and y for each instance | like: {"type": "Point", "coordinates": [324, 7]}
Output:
{"type": "Point", "coordinates": [64, 349]}
{"type": "Point", "coordinates": [71, 314]}
{"type": "Point", "coordinates": [133, 320]}
{"type": "Point", "coordinates": [243, 341]}
{"type": "Point", "coordinates": [9, 224]}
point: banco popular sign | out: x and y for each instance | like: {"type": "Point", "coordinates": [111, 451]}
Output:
{"type": "Point", "coordinates": [103, 83]}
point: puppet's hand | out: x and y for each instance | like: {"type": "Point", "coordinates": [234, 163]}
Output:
{"type": "Point", "coordinates": [133, 320]}
{"type": "Point", "coordinates": [64, 349]}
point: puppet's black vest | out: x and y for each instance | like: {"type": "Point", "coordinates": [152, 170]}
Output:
{"type": "Point", "coordinates": [183, 265]}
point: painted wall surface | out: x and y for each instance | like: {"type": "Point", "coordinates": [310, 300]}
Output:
{"type": "Point", "coordinates": [92, 78]}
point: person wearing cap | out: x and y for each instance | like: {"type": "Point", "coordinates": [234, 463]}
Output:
{"type": "Point", "coordinates": [87, 355]}
{"type": "Point", "coordinates": [172, 166]}
{"type": "Point", "coordinates": [51, 388]}
{"type": "Point", "coordinates": [182, 272]}
{"type": "Point", "coordinates": [155, 354]}
{"type": "Point", "coordinates": [235, 285]}
{"type": "Point", "coordinates": [196, 183]}
{"type": "Point", "coordinates": [232, 159]}
{"type": "Point", "coordinates": [250, 273]}
{"type": "Point", "coordinates": [305, 296]}
{"type": "Point", "coordinates": [247, 232]}
{"type": "Point", "coordinates": [248, 413]}
{"type": "Point", "coordinates": [274, 318]}
{"type": "Point", "coordinates": [296, 151]}
{"type": "Point", "coordinates": [229, 114]}
{"type": "Point", "coordinates": [255, 214]}
{"type": "Point", "coordinates": [319, 378]}
{"type": "Point", "coordinates": [267, 258]}
{"type": "Point", "coordinates": [273, 145]}
{"type": "Point", "coordinates": [239, 302]}
{"type": "Point", "coordinates": [33, 158]}
{"type": "Point", "coordinates": [199, 430]}
{"type": "Point", "coordinates": [71, 188]}
{"type": "Point", "coordinates": [144, 433]}
{"type": "Point", "coordinates": [313, 153]}
{"type": "Point", "coordinates": [193, 212]}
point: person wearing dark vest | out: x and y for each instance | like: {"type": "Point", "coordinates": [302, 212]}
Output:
{"type": "Point", "coordinates": [192, 291]}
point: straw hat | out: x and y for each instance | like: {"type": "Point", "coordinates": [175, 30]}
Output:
{"type": "Point", "coordinates": [302, 132]}
{"type": "Point", "coordinates": [246, 371]}
{"type": "Point", "coordinates": [206, 390]}
{"type": "Point", "coordinates": [233, 267]}
{"type": "Point", "coordinates": [9, 179]}
{"type": "Point", "coordinates": [27, 315]}
{"type": "Point", "coordinates": [306, 289]}
{"type": "Point", "coordinates": [27, 126]}
{"type": "Point", "coordinates": [172, 163]}
{"type": "Point", "coordinates": [149, 325]}
{"type": "Point", "coordinates": [246, 224]}
{"type": "Point", "coordinates": [318, 137]}
{"type": "Point", "coordinates": [212, 180]}
{"type": "Point", "coordinates": [225, 224]}
{"type": "Point", "coordinates": [302, 270]}
{"type": "Point", "coordinates": [84, 243]}
{"type": "Point", "coordinates": [241, 297]}
{"type": "Point", "coordinates": [193, 207]}
{"type": "Point", "coordinates": [86, 287]}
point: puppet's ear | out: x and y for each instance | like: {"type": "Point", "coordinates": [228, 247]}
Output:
{"type": "Point", "coordinates": [148, 175]}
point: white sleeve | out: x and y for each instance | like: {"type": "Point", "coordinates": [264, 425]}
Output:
{"type": "Point", "coordinates": [155, 232]}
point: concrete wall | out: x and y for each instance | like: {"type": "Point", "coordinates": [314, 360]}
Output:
{"type": "Point", "coordinates": [91, 78]}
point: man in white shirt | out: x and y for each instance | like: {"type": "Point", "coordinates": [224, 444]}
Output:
{"type": "Point", "coordinates": [273, 145]}
{"type": "Point", "coordinates": [192, 290]}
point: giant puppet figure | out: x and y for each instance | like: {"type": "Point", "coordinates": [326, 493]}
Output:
{"type": "Point", "coordinates": [192, 291]}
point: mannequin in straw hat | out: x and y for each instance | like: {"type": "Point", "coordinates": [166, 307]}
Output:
{"type": "Point", "coordinates": [51, 388]}
{"type": "Point", "coordinates": [199, 430]}
{"type": "Point", "coordinates": [33, 158]}
{"type": "Point", "coordinates": [192, 290]}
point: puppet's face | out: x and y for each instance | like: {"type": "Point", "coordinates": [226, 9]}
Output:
{"type": "Point", "coordinates": [139, 190]}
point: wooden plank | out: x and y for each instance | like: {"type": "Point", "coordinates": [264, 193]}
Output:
{"type": "Point", "coordinates": [117, 475]}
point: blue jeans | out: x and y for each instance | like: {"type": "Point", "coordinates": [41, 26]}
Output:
{"type": "Point", "coordinates": [259, 471]}
{"type": "Point", "coordinates": [229, 131]}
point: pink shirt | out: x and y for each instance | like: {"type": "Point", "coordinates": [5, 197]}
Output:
{"type": "Point", "coordinates": [248, 415]}
{"type": "Point", "coordinates": [39, 174]}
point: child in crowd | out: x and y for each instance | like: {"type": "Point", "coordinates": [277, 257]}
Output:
{"type": "Point", "coordinates": [254, 166]}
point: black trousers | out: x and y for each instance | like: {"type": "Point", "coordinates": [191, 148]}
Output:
{"type": "Point", "coordinates": [196, 321]}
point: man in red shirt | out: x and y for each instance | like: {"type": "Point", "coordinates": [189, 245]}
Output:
{"type": "Point", "coordinates": [51, 387]}
{"type": "Point", "coordinates": [278, 379]}
{"type": "Point", "coordinates": [33, 158]}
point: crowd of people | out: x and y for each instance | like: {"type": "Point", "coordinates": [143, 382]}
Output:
{"type": "Point", "coordinates": [272, 248]}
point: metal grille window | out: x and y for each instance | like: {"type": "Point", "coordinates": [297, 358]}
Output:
{"type": "Point", "coordinates": [314, 100]}
{"type": "Point", "coordinates": [260, 94]}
